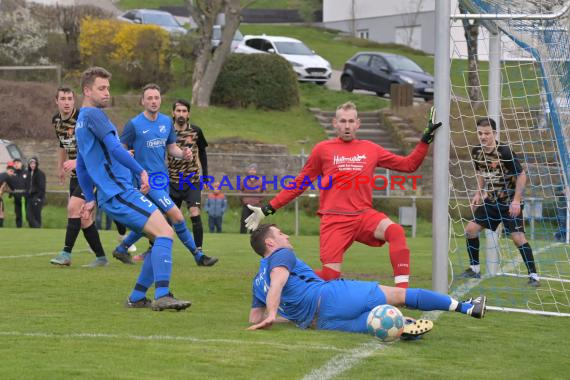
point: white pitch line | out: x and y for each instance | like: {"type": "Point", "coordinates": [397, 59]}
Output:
{"type": "Point", "coordinates": [38, 254]}
{"type": "Point", "coordinates": [343, 362]}
{"type": "Point", "coordinates": [171, 338]}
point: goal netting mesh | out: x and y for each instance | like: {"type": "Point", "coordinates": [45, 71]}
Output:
{"type": "Point", "coordinates": [534, 120]}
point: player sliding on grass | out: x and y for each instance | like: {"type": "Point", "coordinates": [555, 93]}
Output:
{"type": "Point", "coordinates": [102, 161]}
{"type": "Point", "coordinates": [346, 213]}
{"type": "Point", "coordinates": [287, 286]}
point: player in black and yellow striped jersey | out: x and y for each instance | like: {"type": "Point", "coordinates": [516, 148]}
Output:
{"type": "Point", "coordinates": [64, 124]}
{"type": "Point", "coordinates": [191, 136]}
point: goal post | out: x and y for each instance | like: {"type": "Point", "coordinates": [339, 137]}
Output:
{"type": "Point", "coordinates": [523, 68]}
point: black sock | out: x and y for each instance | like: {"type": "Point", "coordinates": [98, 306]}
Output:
{"type": "Point", "coordinates": [73, 227]}
{"type": "Point", "coordinates": [92, 236]}
{"type": "Point", "coordinates": [121, 229]}
{"type": "Point", "coordinates": [1, 222]}
{"type": "Point", "coordinates": [473, 251]}
{"type": "Point", "coordinates": [197, 230]}
{"type": "Point", "coordinates": [528, 257]}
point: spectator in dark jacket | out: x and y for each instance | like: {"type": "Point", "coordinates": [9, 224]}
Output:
{"type": "Point", "coordinates": [35, 192]}
{"type": "Point", "coordinates": [17, 183]}
{"type": "Point", "coordinates": [216, 206]}
{"type": "Point", "coordinates": [3, 187]}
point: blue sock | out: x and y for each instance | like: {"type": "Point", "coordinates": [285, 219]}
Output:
{"type": "Point", "coordinates": [144, 281]}
{"type": "Point", "coordinates": [185, 236]}
{"type": "Point", "coordinates": [427, 300]}
{"type": "Point", "coordinates": [161, 258]}
{"type": "Point", "coordinates": [132, 238]}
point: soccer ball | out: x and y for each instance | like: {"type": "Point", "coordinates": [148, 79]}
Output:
{"type": "Point", "coordinates": [385, 322]}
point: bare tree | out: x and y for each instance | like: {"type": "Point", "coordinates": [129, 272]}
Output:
{"type": "Point", "coordinates": [68, 20]}
{"type": "Point", "coordinates": [471, 30]}
{"type": "Point", "coordinates": [410, 17]}
{"type": "Point", "coordinates": [209, 64]}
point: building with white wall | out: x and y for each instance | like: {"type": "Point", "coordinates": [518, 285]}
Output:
{"type": "Point", "coordinates": [405, 22]}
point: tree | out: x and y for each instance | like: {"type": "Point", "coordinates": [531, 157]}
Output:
{"type": "Point", "coordinates": [21, 37]}
{"type": "Point", "coordinates": [471, 30]}
{"type": "Point", "coordinates": [209, 64]}
{"type": "Point", "coordinates": [68, 20]}
{"type": "Point", "coordinates": [410, 14]}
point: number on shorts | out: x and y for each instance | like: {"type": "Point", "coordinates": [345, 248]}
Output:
{"type": "Point", "coordinates": [165, 201]}
{"type": "Point", "coordinates": [146, 201]}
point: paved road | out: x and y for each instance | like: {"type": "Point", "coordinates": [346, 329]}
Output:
{"type": "Point", "coordinates": [334, 84]}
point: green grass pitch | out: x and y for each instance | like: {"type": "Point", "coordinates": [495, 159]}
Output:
{"type": "Point", "coordinates": [70, 323]}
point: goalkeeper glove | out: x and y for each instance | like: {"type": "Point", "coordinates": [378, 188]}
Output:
{"type": "Point", "coordinates": [259, 213]}
{"type": "Point", "coordinates": [429, 131]}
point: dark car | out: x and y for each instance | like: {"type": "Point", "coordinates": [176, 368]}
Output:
{"type": "Point", "coordinates": [9, 152]}
{"type": "Point", "coordinates": [377, 71]}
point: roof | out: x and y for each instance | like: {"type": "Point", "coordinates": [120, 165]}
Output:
{"type": "Point", "coordinates": [274, 38]}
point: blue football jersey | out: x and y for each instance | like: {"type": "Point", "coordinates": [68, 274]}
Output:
{"type": "Point", "coordinates": [149, 139]}
{"type": "Point", "coordinates": [301, 292]}
{"type": "Point", "coordinates": [109, 176]}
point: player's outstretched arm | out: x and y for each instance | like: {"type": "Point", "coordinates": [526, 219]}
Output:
{"type": "Point", "coordinates": [120, 154]}
{"type": "Point", "coordinates": [279, 277]}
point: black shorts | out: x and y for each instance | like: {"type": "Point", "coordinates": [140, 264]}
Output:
{"type": "Point", "coordinates": [490, 214]}
{"type": "Point", "coordinates": [75, 189]}
{"type": "Point", "coordinates": [192, 197]}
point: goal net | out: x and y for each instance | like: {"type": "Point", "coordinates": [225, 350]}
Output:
{"type": "Point", "coordinates": [531, 53]}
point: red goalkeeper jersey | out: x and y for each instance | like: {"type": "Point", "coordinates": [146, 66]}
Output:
{"type": "Point", "coordinates": [347, 165]}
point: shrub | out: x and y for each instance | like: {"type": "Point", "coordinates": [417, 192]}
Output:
{"type": "Point", "coordinates": [138, 53]}
{"type": "Point", "coordinates": [264, 80]}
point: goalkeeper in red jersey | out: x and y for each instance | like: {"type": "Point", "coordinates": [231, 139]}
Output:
{"type": "Point", "coordinates": [345, 209]}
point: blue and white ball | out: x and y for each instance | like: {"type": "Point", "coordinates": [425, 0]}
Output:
{"type": "Point", "coordinates": [386, 323]}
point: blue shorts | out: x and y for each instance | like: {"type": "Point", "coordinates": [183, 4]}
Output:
{"type": "Point", "coordinates": [130, 208]}
{"type": "Point", "coordinates": [345, 305]}
{"type": "Point", "coordinates": [161, 199]}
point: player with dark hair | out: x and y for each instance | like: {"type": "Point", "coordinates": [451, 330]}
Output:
{"type": "Point", "coordinates": [188, 136]}
{"type": "Point", "coordinates": [499, 198]}
{"type": "Point", "coordinates": [111, 169]}
{"type": "Point", "coordinates": [151, 135]}
{"type": "Point", "coordinates": [64, 122]}
{"type": "Point", "coordinates": [287, 286]}
{"type": "Point", "coordinates": [346, 212]}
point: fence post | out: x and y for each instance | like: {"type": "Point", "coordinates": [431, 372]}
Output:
{"type": "Point", "coordinates": [401, 95]}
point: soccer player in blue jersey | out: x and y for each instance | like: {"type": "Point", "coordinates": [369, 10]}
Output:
{"type": "Point", "coordinates": [151, 134]}
{"type": "Point", "coordinates": [104, 163]}
{"type": "Point", "coordinates": [287, 286]}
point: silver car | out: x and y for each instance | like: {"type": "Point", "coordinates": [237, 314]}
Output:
{"type": "Point", "coordinates": [153, 17]}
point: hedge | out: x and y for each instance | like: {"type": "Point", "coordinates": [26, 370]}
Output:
{"type": "Point", "coordinates": [264, 80]}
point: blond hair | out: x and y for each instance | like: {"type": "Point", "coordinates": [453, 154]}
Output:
{"type": "Point", "coordinates": [348, 106]}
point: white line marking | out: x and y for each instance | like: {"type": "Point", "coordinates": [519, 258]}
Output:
{"type": "Point", "coordinates": [38, 254]}
{"type": "Point", "coordinates": [171, 338]}
{"type": "Point", "coordinates": [343, 362]}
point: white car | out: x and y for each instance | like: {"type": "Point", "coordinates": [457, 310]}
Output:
{"type": "Point", "coordinates": [309, 66]}
{"type": "Point", "coordinates": [237, 43]}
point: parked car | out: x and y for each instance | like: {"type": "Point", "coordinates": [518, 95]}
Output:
{"type": "Point", "coordinates": [9, 151]}
{"type": "Point", "coordinates": [238, 45]}
{"type": "Point", "coordinates": [153, 17]}
{"type": "Point", "coordinates": [308, 66]}
{"type": "Point", "coordinates": [377, 71]}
